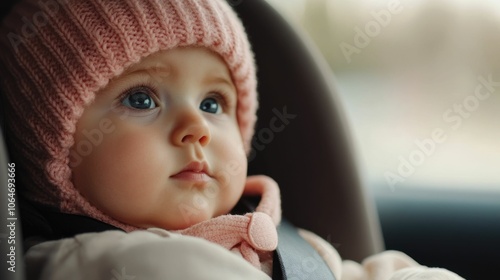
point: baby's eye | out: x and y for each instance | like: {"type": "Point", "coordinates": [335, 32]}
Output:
{"type": "Point", "coordinates": [140, 99]}
{"type": "Point", "coordinates": [210, 105]}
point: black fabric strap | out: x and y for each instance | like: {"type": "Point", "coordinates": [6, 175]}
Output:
{"type": "Point", "coordinates": [41, 223]}
{"type": "Point", "coordinates": [297, 258]}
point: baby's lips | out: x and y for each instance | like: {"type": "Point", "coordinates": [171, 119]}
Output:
{"type": "Point", "coordinates": [262, 232]}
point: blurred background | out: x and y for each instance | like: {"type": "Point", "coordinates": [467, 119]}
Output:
{"type": "Point", "coordinates": [420, 82]}
{"type": "Point", "coordinates": [406, 69]}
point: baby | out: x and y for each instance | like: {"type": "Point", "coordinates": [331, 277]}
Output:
{"type": "Point", "coordinates": [133, 120]}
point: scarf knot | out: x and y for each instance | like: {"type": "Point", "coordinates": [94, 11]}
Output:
{"type": "Point", "coordinates": [252, 234]}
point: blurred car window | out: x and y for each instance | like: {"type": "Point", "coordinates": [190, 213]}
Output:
{"type": "Point", "coordinates": [421, 84]}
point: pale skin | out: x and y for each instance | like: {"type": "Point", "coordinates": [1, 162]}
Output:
{"type": "Point", "coordinates": [175, 156]}
{"type": "Point", "coordinates": [172, 155]}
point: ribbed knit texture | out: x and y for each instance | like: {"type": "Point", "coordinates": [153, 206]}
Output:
{"type": "Point", "coordinates": [57, 54]}
{"type": "Point", "coordinates": [253, 235]}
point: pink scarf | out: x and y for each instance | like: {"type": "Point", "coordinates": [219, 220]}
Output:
{"type": "Point", "coordinates": [253, 235]}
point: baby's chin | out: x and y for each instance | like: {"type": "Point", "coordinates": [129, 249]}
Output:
{"type": "Point", "coordinates": [179, 224]}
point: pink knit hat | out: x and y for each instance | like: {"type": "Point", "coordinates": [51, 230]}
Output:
{"type": "Point", "coordinates": [56, 55]}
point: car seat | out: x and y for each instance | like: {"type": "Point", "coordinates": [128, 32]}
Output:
{"type": "Point", "coordinates": [302, 140]}
{"type": "Point", "coordinates": [312, 156]}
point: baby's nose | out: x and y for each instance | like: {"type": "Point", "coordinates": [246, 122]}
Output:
{"type": "Point", "coordinates": [191, 128]}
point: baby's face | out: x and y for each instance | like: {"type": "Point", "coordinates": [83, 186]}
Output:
{"type": "Point", "coordinates": [171, 154]}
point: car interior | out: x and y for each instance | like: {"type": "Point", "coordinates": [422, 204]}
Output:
{"type": "Point", "coordinates": [313, 158]}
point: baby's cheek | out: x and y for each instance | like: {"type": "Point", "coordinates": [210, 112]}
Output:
{"type": "Point", "coordinates": [233, 179]}
{"type": "Point", "coordinates": [124, 169]}
{"type": "Point", "coordinates": [133, 159]}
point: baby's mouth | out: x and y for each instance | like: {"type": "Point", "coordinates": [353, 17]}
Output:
{"type": "Point", "coordinates": [195, 172]}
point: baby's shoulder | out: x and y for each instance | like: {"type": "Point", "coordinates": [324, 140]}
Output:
{"type": "Point", "coordinates": [146, 254]}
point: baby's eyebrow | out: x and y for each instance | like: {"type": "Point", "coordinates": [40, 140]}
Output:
{"type": "Point", "coordinates": [134, 73]}
{"type": "Point", "coordinates": [219, 80]}
{"type": "Point", "coordinates": [162, 70]}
